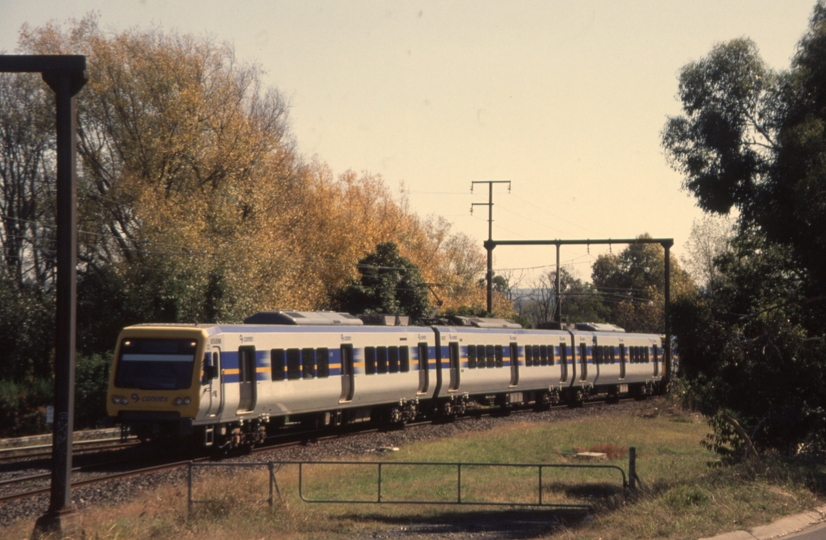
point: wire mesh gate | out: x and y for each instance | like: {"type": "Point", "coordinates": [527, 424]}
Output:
{"type": "Point", "coordinates": [382, 466]}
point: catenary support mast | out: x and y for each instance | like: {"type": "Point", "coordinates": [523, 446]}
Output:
{"type": "Point", "coordinates": [65, 75]}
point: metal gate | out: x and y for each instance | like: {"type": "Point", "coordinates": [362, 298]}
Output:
{"type": "Point", "coordinates": [458, 467]}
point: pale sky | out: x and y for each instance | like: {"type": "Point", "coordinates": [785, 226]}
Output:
{"type": "Point", "coordinates": [566, 99]}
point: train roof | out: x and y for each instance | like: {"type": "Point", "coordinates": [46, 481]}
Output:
{"type": "Point", "coordinates": [598, 327]}
{"type": "Point", "coordinates": [304, 318]}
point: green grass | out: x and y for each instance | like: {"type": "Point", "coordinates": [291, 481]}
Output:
{"type": "Point", "coordinates": [680, 497]}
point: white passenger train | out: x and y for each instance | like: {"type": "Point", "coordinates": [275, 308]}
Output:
{"type": "Point", "coordinates": [227, 385]}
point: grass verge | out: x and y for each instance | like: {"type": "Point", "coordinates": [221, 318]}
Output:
{"type": "Point", "coordinates": [681, 496]}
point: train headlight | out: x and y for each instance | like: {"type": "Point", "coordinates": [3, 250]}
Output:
{"type": "Point", "coordinates": [178, 401]}
{"type": "Point", "coordinates": [187, 401]}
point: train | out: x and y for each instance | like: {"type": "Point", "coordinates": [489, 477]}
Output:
{"type": "Point", "coordinates": [229, 386]}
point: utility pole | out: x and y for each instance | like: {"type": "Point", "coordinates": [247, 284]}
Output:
{"type": "Point", "coordinates": [489, 244]}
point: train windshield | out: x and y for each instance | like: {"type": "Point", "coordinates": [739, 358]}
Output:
{"type": "Point", "coordinates": [156, 364]}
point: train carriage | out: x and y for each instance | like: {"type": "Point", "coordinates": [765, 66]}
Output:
{"type": "Point", "coordinates": [229, 384]}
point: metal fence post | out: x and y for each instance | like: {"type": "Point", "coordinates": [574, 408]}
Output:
{"type": "Point", "coordinates": [632, 468]}
{"type": "Point", "coordinates": [272, 477]}
{"type": "Point", "coordinates": [189, 488]}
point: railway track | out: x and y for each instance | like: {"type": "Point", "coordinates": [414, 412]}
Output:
{"type": "Point", "coordinates": [78, 447]}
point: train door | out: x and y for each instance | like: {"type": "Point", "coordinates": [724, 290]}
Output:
{"type": "Point", "coordinates": [348, 381]}
{"type": "Point", "coordinates": [214, 383]}
{"type": "Point", "coordinates": [455, 366]}
{"type": "Point", "coordinates": [583, 361]}
{"type": "Point", "coordinates": [598, 358]}
{"type": "Point", "coordinates": [563, 362]}
{"type": "Point", "coordinates": [424, 369]}
{"type": "Point", "coordinates": [622, 360]}
{"type": "Point", "coordinates": [656, 359]}
{"type": "Point", "coordinates": [515, 364]}
{"type": "Point", "coordinates": [247, 385]}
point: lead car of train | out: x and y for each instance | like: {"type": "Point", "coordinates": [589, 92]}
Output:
{"type": "Point", "coordinates": [228, 385]}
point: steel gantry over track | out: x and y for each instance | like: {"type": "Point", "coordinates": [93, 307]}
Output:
{"type": "Point", "coordinates": [666, 243]}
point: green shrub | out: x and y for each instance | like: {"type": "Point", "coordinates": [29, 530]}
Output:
{"type": "Point", "coordinates": [91, 383]}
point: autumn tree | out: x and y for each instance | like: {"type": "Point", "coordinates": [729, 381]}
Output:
{"type": "Point", "coordinates": [184, 157]}
{"type": "Point", "coordinates": [193, 204]}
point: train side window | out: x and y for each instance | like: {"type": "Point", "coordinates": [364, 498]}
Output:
{"type": "Point", "coordinates": [583, 358]}
{"type": "Point", "coordinates": [612, 354]}
{"type": "Point", "coordinates": [293, 364]}
{"type": "Point", "coordinates": [393, 359]}
{"type": "Point", "coordinates": [535, 354]}
{"type": "Point", "coordinates": [500, 356]}
{"type": "Point", "coordinates": [597, 352]}
{"type": "Point", "coordinates": [656, 360]}
{"type": "Point", "coordinates": [206, 371]}
{"type": "Point", "coordinates": [471, 356]}
{"type": "Point", "coordinates": [278, 363]}
{"type": "Point", "coordinates": [543, 355]}
{"type": "Point", "coordinates": [322, 358]}
{"type": "Point", "coordinates": [491, 361]}
{"type": "Point", "coordinates": [308, 363]}
{"type": "Point", "coordinates": [481, 356]}
{"type": "Point", "coordinates": [404, 359]}
{"type": "Point", "coordinates": [424, 368]}
{"type": "Point", "coordinates": [647, 358]}
{"type": "Point", "coordinates": [550, 355]}
{"type": "Point", "coordinates": [370, 360]}
{"type": "Point", "coordinates": [246, 364]}
{"type": "Point", "coordinates": [381, 360]}
{"type": "Point", "coordinates": [528, 356]}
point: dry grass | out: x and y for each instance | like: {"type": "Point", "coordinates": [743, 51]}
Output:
{"type": "Point", "coordinates": [681, 497]}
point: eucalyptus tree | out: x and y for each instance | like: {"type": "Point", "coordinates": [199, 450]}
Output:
{"type": "Point", "coordinates": [752, 142]}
